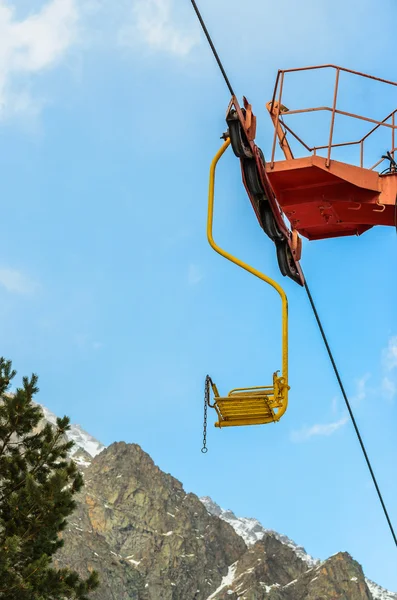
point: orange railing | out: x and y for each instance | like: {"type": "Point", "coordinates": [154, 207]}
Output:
{"type": "Point", "coordinates": [278, 116]}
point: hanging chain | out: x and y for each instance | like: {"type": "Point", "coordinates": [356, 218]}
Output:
{"type": "Point", "coordinates": [204, 449]}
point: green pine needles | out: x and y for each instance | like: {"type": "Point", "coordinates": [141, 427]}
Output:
{"type": "Point", "coordinates": [37, 485]}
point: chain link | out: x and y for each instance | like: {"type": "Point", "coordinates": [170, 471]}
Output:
{"type": "Point", "coordinates": [204, 449]}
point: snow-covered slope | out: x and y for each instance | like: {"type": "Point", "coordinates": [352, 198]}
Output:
{"type": "Point", "coordinates": [379, 593]}
{"type": "Point", "coordinates": [251, 530]}
{"type": "Point", "coordinates": [81, 438]}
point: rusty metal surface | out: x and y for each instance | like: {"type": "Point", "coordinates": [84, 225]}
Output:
{"type": "Point", "coordinates": [322, 202]}
{"type": "Point", "coordinates": [323, 197]}
{"type": "Point", "coordinates": [282, 129]}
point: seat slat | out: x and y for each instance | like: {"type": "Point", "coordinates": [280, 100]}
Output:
{"type": "Point", "coordinates": [244, 405]}
{"type": "Point", "coordinates": [247, 406]}
{"type": "Point", "coordinates": [253, 410]}
{"type": "Point", "coordinates": [244, 421]}
{"type": "Point", "coordinates": [245, 399]}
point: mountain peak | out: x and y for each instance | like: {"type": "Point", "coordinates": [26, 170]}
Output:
{"type": "Point", "coordinates": [82, 439]}
{"type": "Point", "coordinates": [251, 530]}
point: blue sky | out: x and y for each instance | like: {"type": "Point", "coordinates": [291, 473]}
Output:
{"type": "Point", "coordinates": [109, 118]}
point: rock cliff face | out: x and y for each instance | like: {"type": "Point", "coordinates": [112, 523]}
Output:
{"type": "Point", "coordinates": [149, 540]}
{"type": "Point", "coordinates": [253, 578]}
{"type": "Point", "coordinates": [154, 540]}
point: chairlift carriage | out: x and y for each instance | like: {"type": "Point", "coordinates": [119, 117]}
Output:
{"type": "Point", "coordinates": [318, 196]}
{"type": "Point", "coordinates": [321, 198]}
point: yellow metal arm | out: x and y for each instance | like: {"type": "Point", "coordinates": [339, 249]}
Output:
{"type": "Point", "coordinates": [276, 396]}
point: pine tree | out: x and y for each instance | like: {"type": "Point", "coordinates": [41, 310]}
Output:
{"type": "Point", "coordinates": [37, 485]}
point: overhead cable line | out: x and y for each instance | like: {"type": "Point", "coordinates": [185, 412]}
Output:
{"type": "Point", "coordinates": [342, 389]}
{"type": "Point", "coordinates": [215, 53]}
{"type": "Point", "coordinates": [314, 309]}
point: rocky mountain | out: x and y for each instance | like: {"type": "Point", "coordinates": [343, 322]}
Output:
{"type": "Point", "coordinates": [150, 540]}
{"type": "Point", "coordinates": [251, 530]}
{"type": "Point", "coordinates": [155, 541]}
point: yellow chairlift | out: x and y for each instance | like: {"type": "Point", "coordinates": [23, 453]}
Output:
{"type": "Point", "coordinates": [252, 405]}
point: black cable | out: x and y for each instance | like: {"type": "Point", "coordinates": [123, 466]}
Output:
{"type": "Point", "coordinates": [314, 312]}
{"type": "Point", "coordinates": [218, 60]}
{"type": "Point", "coordinates": [350, 410]}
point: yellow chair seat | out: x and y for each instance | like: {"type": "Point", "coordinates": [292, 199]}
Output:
{"type": "Point", "coordinates": [251, 406]}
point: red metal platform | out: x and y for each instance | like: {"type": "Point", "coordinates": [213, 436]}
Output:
{"type": "Point", "coordinates": [323, 197]}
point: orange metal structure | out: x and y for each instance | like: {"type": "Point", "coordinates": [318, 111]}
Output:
{"type": "Point", "coordinates": [321, 197]}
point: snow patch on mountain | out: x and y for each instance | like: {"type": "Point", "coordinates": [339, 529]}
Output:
{"type": "Point", "coordinates": [378, 592]}
{"type": "Point", "coordinates": [76, 434]}
{"type": "Point", "coordinates": [251, 530]}
{"type": "Point", "coordinates": [226, 581]}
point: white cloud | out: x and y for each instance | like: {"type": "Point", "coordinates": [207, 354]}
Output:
{"type": "Point", "coordinates": [154, 22]}
{"type": "Point", "coordinates": [361, 388]}
{"type": "Point", "coordinates": [390, 355]}
{"type": "Point", "coordinates": [327, 429]}
{"type": "Point", "coordinates": [323, 429]}
{"type": "Point", "coordinates": [194, 275]}
{"type": "Point", "coordinates": [389, 364]}
{"type": "Point", "coordinates": [387, 385]}
{"type": "Point", "coordinates": [85, 342]}
{"type": "Point", "coordinates": [97, 345]}
{"type": "Point", "coordinates": [389, 388]}
{"type": "Point", "coordinates": [16, 282]}
{"type": "Point", "coordinates": [29, 46]}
